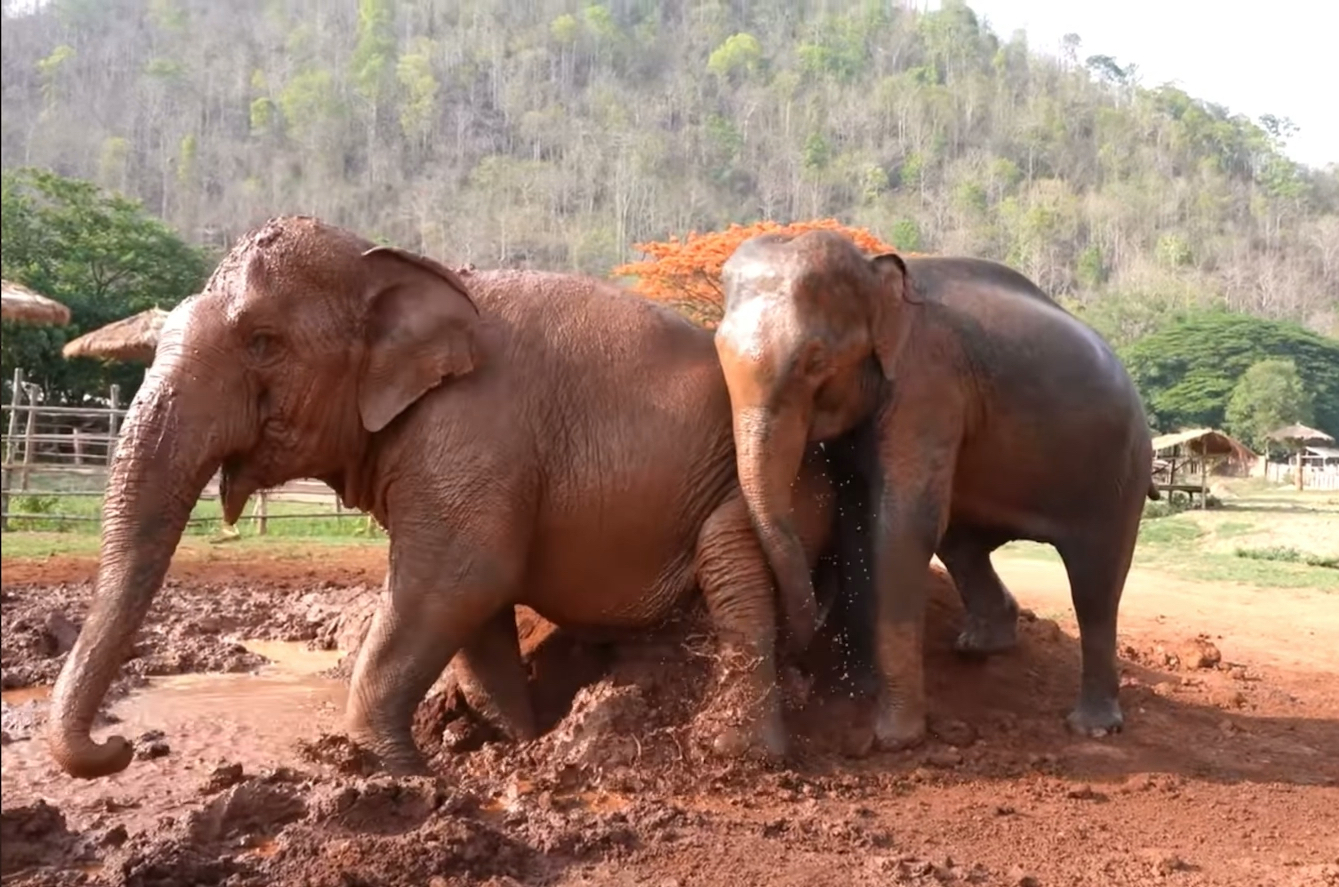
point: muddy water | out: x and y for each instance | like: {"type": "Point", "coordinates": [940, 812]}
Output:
{"type": "Point", "coordinates": [24, 695]}
{"type": "Point", "coordinates": [251, 719]}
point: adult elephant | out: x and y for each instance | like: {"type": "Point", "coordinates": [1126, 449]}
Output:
{"type": "Point", "coordinates": [970, 408]}
{"type": "Point", "coordinates": [526, 438]}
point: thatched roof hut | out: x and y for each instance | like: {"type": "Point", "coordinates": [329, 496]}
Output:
{"type": "Point", "coordinates": [25, 306]}
{"type": "Point", "coordinates": [1298, 434]}
{"type": "Point", "coordinates": [1195, 451]}
{"type": "Point", "coordinates": [132, 338]}
{"type": "Point", "coordinates": [1202, 442]}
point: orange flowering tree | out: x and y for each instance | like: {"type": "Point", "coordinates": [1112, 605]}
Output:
{"type": "Point", "coordinates": [686, 273]}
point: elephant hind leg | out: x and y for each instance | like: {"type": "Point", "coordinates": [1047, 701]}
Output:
{"type": "Point", "coordinates": [737, 585]}
{"type": "Point", "coordinates": [1097, 566]}
{"type": "Point", "coordinates": [493, 678]}
{"type": "Point", "coordinates": [991, 624]}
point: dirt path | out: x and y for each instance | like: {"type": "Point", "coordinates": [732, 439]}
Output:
{"type": "Point", "coordinates": [1291, 628]}
{"type": "Point", "coordinates": [1227, 774]}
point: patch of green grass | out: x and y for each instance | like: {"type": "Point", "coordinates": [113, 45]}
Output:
{"type": "Point", "coordinates": [1031, 551]}
{"type": "Point", "coordinates": [1260, 573]}
{"type": "Point", "coordinates": [1164, 507]}
{"type": "Point", "coordinates": [81, 516]}
{"type": "Point", "coordinates": [1289, 555]}
{"type": "Point", "coordinates": [1169, 531]}
{"type": "Point", "coordinates": [42, 545]}
{"type": "Point", "coordinates": [37, 545]}
{"type": "Point", "coordinates": [1233, 528]}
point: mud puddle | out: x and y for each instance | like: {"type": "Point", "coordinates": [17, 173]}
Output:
{"type": "Point", "coordinates": [181, 725]}
{"type": "Point", "coordinates": [24, 695]}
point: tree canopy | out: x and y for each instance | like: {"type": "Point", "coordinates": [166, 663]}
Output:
{"type": "Point", "coordinates": [1269, 396]}
{"type": "Point", "coordinates": [558, 134]}
{"type": "Point", "coordinates": [686, 272]}
{"type": "Point", "coordinates": [1189, 370]}
{"type": "Point", "coordinates": [97, 253]}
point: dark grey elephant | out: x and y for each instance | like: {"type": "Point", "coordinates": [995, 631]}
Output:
{"type": "Point", "coordinates": [526, 438]}
{"type": "Point", "coordinates": [970, 408]}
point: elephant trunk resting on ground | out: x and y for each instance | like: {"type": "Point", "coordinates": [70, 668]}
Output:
{"type": "Point", "coordinates": [526, 438]}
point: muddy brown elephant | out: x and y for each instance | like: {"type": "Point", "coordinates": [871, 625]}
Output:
{"type": "Point", "coordinates": [526, 438]}
{"type": "Point", "coordinates": [972, 410]}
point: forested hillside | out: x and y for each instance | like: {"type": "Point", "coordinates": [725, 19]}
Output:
{"type": "Point", "coordinates": [558, 134]}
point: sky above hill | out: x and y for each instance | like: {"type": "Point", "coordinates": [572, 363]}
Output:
{"type": "Point", "coordinates": [1277, 58]}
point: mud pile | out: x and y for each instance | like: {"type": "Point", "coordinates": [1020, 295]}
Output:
{"type": "Point", "coordinates": [619, 789]}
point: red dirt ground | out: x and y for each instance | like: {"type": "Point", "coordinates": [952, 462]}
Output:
{"type": "Point", "coordinates": [1227, 773]}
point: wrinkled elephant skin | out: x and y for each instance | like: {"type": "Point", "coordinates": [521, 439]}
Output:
{"type": "Point", "coordinates": [526, 438]}
{"type": "Point", "coordinates": [972, 409]}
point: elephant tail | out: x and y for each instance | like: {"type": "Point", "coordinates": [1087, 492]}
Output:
{"type": "Point", "coordinates": [1153, 492]}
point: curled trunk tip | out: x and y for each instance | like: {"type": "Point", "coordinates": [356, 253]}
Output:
{"type": "Point", "coordinates": [81, 757]}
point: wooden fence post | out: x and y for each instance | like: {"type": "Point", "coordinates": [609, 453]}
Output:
{"type": "Point", "coordinates": [78, 446]}
{"type": "Point", "coordinates": [113, 423]}
{"type": "Point", "coordinates": [16, 401]}
{"type": "Point", "coordinates": [28, 430]}
{"type": "Point", "coordinates": [261, 512]}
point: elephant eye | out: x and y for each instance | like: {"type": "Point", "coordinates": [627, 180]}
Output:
{"type": "Point", "coordinates": [263, 346]}
{"type": "Point", "coordinates": [815, 360]}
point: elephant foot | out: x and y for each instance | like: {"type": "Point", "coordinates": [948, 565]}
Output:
{"type": "Point", "coordinates": [896, 728]}
{"type": "Point", "coordinates": [765, 740]}
{"type": "Point", "coordinates": [1096, 719]}
{"type": "Point", "coordinates": [986, 636]}
{"type": "Point", "coordinates": [378, 753]}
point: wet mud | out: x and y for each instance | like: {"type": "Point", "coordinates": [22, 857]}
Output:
{"type": "Point", "coordinates": [1227, 773]}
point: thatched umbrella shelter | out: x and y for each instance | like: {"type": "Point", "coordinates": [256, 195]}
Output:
{"type": "Point", "coordinates": [1193, 451]}
{"type": "Point", "coordinates": [25, 306]}
{"type": "Point", "coordinates": [132, 339]}
{"type": "Point", "coordinates": [1296, 437]}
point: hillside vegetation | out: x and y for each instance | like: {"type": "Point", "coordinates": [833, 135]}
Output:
{"type": "Point", "coordinates": [558, 134]}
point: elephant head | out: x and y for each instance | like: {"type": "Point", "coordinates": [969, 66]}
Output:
{"type": "Point", "coordinates": [812, 331]}
{"type": "Point", "coordinates": [305, 343]}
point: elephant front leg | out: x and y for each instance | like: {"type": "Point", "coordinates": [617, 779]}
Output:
{"type": "Point", "coordinates": [913, 512]}
{"type": "Point", "coordinates": [435, 605]}
{"type": "Point", "coordinates": [737, 585]}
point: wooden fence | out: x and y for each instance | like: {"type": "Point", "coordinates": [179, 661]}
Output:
{"type": "Point", "coordinates": [1315, 477]}
{"type": "Point", "coordinates": [57, 455]}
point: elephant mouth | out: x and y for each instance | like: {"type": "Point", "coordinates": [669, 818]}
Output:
{"type": "Point", "coordinates": [235, 487]}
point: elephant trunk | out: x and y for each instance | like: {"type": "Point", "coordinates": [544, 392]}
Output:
{"type": "Point", "coordinates": [165, 457]}
{"type": "Point", "coordinates": [769, 451]}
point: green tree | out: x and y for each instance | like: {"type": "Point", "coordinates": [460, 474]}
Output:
{"type": "Point", "coordinates": [1269, 395]}
{"type": "Point", "coordinates": [100, 254]}
{"type": "Point", "coordinates": [740, 53]}
{"type": "Point", "coordinates": [374, 55]}
{"type": "Point", "coordinates": [649, 119]}
{"type": "Point", "coordinates": [1187, 371]}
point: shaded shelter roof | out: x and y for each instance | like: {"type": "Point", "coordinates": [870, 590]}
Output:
{"type": "Point", "coordinates": [1299, 433]}
{"type": "Point", "coordinates": [23, 305]}
{"type": "Point", "coordinates": [1205, 442]}
{"type": "Point", "coordinates": [133, 338]}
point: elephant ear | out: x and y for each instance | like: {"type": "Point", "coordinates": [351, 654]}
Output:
{"type": "Point", "coordinates": [422, 328]}
{"type": "Point", "coordinates": [890, 320]}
